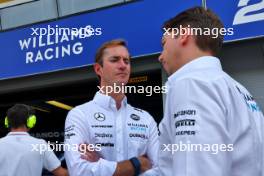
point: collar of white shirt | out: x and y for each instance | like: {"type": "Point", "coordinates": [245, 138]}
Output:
{"type": "Point", "coordinates": [204, 62]}
{"type": "Point", "coordinates": [107, 101]}
{"type": "Point", "coordinates": [17, 133]}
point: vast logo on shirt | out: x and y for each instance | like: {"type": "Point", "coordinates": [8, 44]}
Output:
{"type": "Point", "coordinates": [99, 116]}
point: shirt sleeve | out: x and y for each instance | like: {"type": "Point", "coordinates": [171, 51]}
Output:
{"type": "Point", "coordinates": [152, 150]}
{"type": "Point", "coordinates": [195, 131]}
{"type": "Point", "coordinates": [50, 162]}
{"type": "Point", "coordinates": [77, 132]}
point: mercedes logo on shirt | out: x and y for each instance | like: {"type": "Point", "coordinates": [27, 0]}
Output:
{"type": "Point", "coordinates": [99, 116]}
{"type": "Point", "coordinates": [134, 117]}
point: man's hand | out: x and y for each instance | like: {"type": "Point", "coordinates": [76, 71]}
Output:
{"type": "Point", "coordinates": [145, 163]}
{"type": "Point", "coordinates": [126, 168]}
{"type": "Point", "coordinates": [60, 171]}
{"type": "Point", "coordinates": [88, 154]}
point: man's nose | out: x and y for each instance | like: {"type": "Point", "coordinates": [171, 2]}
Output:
{"type": "Point", "coordinates": [160, 57]}
{"type": "Point", "coordinates": [122, 64]}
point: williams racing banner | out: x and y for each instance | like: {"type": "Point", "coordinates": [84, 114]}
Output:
{"type": "Point", "coordinates": [72, 42]}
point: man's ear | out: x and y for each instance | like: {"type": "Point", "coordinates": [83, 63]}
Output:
{"type": "Point", "coordinates": [97, 69]}
{"type": "Point", "coordinates": [186, 36]}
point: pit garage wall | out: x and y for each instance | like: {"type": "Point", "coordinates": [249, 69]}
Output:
{"type": "Point", "coordinates": [244, 61]}
{"type": "Point", "coordinates": [37, 86]}
{"type": "Point", "coordinates": [74, 82]}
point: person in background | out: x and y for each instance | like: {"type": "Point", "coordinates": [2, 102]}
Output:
{"type": "Point", "coordinates": [22, 154]}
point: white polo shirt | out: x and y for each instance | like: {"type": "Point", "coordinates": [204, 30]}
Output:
{"type": "Point", "coordinates": [19, 155]}
{"type": "Point", "coordinates": [212, 125]}
{"type": "Point", "coordinates": [123, 134]}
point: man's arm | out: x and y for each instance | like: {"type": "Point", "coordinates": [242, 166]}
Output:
{"type": "Point", "coordinates": [123, 168]}
{"type": "Point", "coordinates": [52, 163]}
{"type": "Point", "coordinates": [76, 133]}
{"type": "Point", "coordinates": [152, 148]}
{"type": "Point", "coordinates": [60, 171]}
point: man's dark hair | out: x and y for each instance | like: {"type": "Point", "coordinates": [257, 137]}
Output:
{"type": "Point", "coordinates": [199, 17]}
{"type": "Point", "coordinates": [18, 115]}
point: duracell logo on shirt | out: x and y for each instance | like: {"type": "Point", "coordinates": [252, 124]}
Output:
{"type": "Point", "coordinates": [137, 135]}
{"type": "Point", "coordinates": [103, 135]}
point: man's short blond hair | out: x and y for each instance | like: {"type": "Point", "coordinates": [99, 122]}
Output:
{"type": "Point", "coordinates": [109, 44]}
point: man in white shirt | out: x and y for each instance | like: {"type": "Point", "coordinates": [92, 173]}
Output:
{"type": "Point", "coordinates": [122, 140]}
{"type": "Point", "coordinates": [21, 154]}
{"type": "Point", "coordinates": [212, 125]}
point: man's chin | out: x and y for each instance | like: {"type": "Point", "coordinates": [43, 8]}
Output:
{"type": "Point", "coordinates": [121, 83]}
{"type": "Point", "coordinates": [166, 71]}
